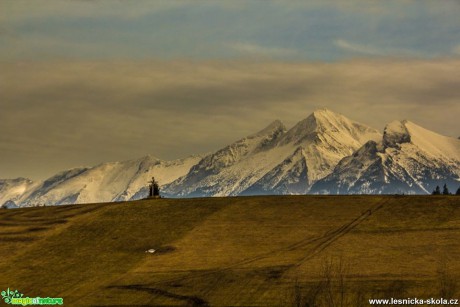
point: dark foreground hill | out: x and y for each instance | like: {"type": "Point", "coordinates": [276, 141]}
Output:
{"type": "Point", "coordinates": [251, 251]}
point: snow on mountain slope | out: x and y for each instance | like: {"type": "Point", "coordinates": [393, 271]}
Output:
{"type": "Point", "coordinates": [13, 189]}
{"type": "Point", "coordinates": [9, 205]}
{"type": "Point", "coordinates": [434, 145]}
{"type": "Point", "coordinates": [263, 159]}
{"type": "Point", "coordinates": [409, 159]}
{"type": "Point", "coordinates": [234, 166]}
{"type": "Point", "coordinates": [51, 186]}
{"type": "Point", "coordinates": [339, 129]}
{"type": "Point", "coordinates": [324, 153]}
{"type": "Point", "coordinates": [327, 137]}
{"type": "Point", "coordinates": [113, 181]}
{"type": "Point", "coordinates": [288, 177]}
{"type": "Point", "coordinates": [165, 172]}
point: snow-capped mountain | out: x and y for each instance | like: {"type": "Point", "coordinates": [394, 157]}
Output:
{"type": "Point", "coordinates": [409, 159]}
{"type": "Point", "coordinates": [276, 161]}
{"type": "Point", "coordinates": [324, 153]}
{"type": "Point", "coordinates": [11, 190]}
{"type": "Point", "coordinates": [113, 181]}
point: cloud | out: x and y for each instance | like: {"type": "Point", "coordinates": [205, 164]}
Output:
{"type": "Point", "coordinates": [258, 50]}
{"type": "Point", "coordinates": [367, 49]}
{"type": "Point", "coordinates": [289, 30]}
{"type": "Point", "coordinates": [62, 114]}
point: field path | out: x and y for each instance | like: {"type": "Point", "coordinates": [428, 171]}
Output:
{"type": "Point", "coordinates": [310, 247]}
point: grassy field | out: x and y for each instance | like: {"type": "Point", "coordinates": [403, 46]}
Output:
{"type": "Point", "coordinates": [236, 251]}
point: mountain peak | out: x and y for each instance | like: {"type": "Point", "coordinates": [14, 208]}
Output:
{"type": "Point", "coordinates": [275, 126]}
{"type": "Point", "coordinates": [326, 122]}
{"type": "Point", "coordinates": [396, 133]}
{"type": "Point", "coordinates": [317, 121]}
{"type": "Point", "coordinates": [325, 119]}
{"type": "Point", "coordinates": [431, 143]}
{"type": "Point", "coordinates": [326, 114]}
{"type": "Point", "coordinates": [412, 160]}
{"type": "Point", "coordinates": [149, 158]}
{"type": "Point", "coordinates": [324, 111]}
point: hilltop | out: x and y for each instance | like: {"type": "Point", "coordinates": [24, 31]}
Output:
{"type": "Point", "coordinates": [251, 251]}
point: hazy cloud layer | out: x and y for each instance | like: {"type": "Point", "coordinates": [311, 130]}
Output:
{"type": "Point", "coordinates": [169, 29]}
{"type": "Point", "coordinates": [87, 81]}
{"type": "Point", "coordinates": [61, 114]}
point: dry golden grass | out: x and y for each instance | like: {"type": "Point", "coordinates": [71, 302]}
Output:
{"type": "Point", "coordinates": [247, 251]}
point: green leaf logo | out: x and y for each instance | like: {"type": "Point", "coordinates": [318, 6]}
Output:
{"type": "Point", "coordinates": [8, 295]}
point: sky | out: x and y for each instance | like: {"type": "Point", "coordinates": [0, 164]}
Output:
{"type": "Point", "coordinates": [89, 81]}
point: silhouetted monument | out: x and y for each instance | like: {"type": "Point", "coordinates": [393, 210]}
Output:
{"type": "Point", "coordinates": [154, 189]}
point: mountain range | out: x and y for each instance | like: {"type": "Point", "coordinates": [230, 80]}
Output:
{"type": "Point", "coordinates": [326, 153]}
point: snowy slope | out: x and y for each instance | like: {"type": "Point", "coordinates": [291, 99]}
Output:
{"type": "Point", "coordinates": [9, 205]}
{"type": "Point", "coordinates": [409, 159]}
{"type": "Point", "coordinates": [327, 137]}
{"type": "Point", "coordinates": [113, 181]}
{"type": "Point", "coordinates": [324, 153]}
{"type": "Point", "coordinates": [275, 160]}
{"type": "Point", "coordinates": [288, 177]}
{"type": "Point", "coordinates": [233, 167]}
{"type": "Point", "coordinates": [13, 189]}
